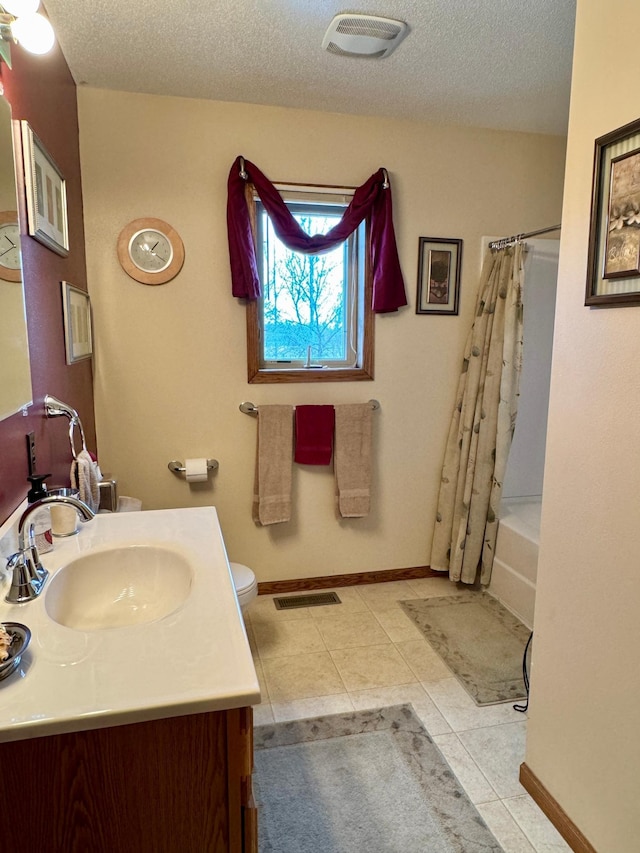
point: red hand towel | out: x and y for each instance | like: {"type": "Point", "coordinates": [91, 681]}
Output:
{"type": "Point", "coordinates": [314, 434]}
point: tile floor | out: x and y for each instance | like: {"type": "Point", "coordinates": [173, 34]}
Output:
{"type": "Point", "coordinates": [366, 653]}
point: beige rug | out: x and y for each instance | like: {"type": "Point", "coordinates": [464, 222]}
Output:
{"type": "Point", "coordinates": [479, 640]}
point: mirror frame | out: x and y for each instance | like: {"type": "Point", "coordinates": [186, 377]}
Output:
{"type": "Point", "coordinates": [14, 341]}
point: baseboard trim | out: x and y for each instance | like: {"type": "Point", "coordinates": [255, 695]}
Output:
{"type": "Point", "coordinates": [554, 811]}
{"type": "Point", "coordinates": [330, 581]}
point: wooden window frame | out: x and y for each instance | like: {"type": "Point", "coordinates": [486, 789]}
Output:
{"type": "Point", "coordinates": [257, 375]}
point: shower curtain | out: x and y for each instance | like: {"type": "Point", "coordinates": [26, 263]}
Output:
{"type": "Point", "coordinates": [482, 424]}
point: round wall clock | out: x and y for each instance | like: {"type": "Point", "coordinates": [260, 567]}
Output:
{"type": "Point", "coordinates": [150, 251]}
{"type": "Point", "coordinates": [10, 262]}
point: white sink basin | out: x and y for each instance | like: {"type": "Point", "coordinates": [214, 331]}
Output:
{"type": "Point", "coordinates": [155, 628]}
{"type": "Point", "coordinates": [119, 587]}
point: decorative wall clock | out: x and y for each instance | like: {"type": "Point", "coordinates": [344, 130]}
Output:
{"type": "Point", "coordinates": [10, 266]}
{"type": "Point", "coordinates": [150, 251]}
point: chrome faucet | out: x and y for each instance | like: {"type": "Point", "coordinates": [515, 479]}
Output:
{"type": "Point", "coordinates": [29, 575]}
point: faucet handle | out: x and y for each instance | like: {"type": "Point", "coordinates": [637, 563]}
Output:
{"type": "Point", "coordinates": [26, 581]}
{"type": "Point", "coordinates": [32, 559]}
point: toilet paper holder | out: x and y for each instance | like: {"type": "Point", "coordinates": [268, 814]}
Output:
{"type": "Point", "coordinates": [179, 468]}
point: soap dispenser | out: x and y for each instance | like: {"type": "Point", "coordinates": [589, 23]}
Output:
{"type": "Point", "coordinates": [41, 520]}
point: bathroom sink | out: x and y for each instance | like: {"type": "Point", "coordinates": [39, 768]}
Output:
{"type": "Point", "coordinates": [138, 621]}
{"type": "Point", "coordinates": [119, 587]}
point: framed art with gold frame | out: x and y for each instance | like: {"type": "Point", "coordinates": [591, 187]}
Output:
{"type": "Point", "coordinates": [78, 337]}
{"type": "Point", "coordinates": [46, 191]}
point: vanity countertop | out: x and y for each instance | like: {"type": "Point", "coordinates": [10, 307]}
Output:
{"type": "Point", "coordinates": [194, 660]}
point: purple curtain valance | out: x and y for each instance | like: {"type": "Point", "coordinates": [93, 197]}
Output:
{"type": "Point", "coordinates": [372, 200]}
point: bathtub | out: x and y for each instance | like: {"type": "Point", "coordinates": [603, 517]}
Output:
{"type": "Point", "coordinates": [513, 579]}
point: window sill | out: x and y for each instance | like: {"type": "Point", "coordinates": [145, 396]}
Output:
{"type": "Point", "coordinates": [328, 374]}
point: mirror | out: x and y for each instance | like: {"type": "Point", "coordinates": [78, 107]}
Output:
{"type": "Point", "coordinates": [15, 372]}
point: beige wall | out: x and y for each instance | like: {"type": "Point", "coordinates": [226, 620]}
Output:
{"type": "Point", "coordinates": [583, 740]}
{"type": "Point", "coordinates": [170, 362]}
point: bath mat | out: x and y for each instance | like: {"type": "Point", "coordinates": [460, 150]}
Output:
{"type": "Point", "coordinates": [479, 640]}
{"type": "Point", "coordinates": [369, 780]}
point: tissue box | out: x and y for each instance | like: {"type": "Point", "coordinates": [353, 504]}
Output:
{"type": "Point", "coordinates": [108, 494]}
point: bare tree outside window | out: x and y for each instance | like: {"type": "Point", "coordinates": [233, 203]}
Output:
{"type": "Point", "coordinates": [304, 297]}
{"type": "Point", "coordinates": [313, 320]}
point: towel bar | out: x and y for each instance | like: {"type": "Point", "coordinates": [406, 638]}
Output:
{"type": "Point", "coordinates": [179, 468]}
{"type": "Point", "coordinates": [251, 409]}
{"type": "Point", "coordinates": [56, 408]}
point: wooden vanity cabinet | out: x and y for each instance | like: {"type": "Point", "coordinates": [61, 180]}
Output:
{"type": "Point", "coordinates": [177, 785]}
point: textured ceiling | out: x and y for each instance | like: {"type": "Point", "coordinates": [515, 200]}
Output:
{"type": "Point", "coordinates": [503, 64]}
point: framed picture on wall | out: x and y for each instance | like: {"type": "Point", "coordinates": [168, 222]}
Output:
{"type": "Point", "coordinates": [46, 194]}
{"type": "Point", "coordinates": [76, 309]}
{"type": "Point", "coordinates": [613, 272]}
{"type": "Point", "coordinates": [439, 262]}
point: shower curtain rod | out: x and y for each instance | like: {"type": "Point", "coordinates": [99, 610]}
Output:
{"type": "Point", "coordinates": [506, 241]}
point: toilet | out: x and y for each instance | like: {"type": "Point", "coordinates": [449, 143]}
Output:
{"type": "Point", "coordinates": [245, 583]}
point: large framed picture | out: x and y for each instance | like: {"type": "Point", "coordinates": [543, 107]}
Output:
{"type": "Point", "coordinates": [439, 262]}
{"type": "Point", "coordinates": [76, 309]}
{"type": "Point", "coordinates": [46, 194]}
{"type": "Point", "coordinates": [613, 273]}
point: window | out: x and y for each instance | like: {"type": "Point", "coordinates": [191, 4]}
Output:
{"type": "Point", "coordinates": [314, 321]}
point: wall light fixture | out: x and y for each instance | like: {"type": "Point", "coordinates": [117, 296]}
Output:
{"type": "Point", "coordinates": [20, 22]}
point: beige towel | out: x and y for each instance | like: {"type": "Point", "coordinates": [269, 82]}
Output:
{"type": "Point", "coordinates": [84, 477]}
{"type": "Point", "coordinates": [274, 461]}
{"type": "Point", "coordinates": [352, 459]}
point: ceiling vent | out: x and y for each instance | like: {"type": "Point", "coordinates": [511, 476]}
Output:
{"type": "Point", "coordinates": [363, 36]}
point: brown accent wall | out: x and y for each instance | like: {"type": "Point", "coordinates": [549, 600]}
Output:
{"type": "Point", "coordinates": [42, 91]}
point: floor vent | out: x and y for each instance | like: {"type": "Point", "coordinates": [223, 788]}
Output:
{"type": "Point", "coordinates": [314, 599]}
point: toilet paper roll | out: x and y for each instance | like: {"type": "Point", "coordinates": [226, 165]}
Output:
{"type": "Point", "coordinates": [196, 470]}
